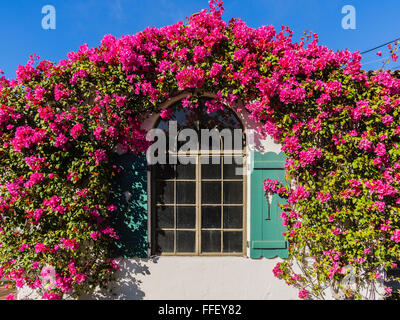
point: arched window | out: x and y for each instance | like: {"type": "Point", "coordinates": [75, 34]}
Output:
{"type": "Point", "coordinates": [198, 208]}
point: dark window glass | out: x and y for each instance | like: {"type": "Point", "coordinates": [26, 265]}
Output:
{"type": "Point", "coordinates": [186, 217]}
{"type": "Point", "coordinates": [199, 118]}
{"type": "Point", "coordinates": [165, 241]}
{"type": "Point", "coordinates": [185, 192]}
{"type": "Point", "coordinates": [231, 169]}
{"type": "Point", "coordinates": [230, 143]}
{"type": "Point", "coordinates": [221, 119]}
{"type": "Point", "coordinates": [211, 140]}
{"type": "Point", "coordinates": [165, 171]}
{"type": "Point", "coordinates": [165, 217]}
{"type": "Point", "coordinates": [212, 170]}
{"type": "Point", "coordinates": [186, 171]}
{"type": "Point", "coordinates": [165, 192]}
{"type": "Point", "coordinates": [185, 241]}
{"type": "Point", "coordinates": [233, 241]}
{"type": "Point", "coordinates": [176, 204]}
{"type": "Point", "coordinates": [233, 192]}
{"type": "Point", "coordinates": [193, 144]}
{"type": "Point", "coordinates": [233, 217]}
{"type": "Point", "coordinates": [211, 241]}
{"type": "Point", "coordinates": [211, 217]}
{"type": "Point", "coordinates": [210, 192]}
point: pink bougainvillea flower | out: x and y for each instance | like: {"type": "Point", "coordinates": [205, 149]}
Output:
{"type": "Point", "coordinates": [23, 247]}
{"type": "Point", "coordinates": [40, 247]}
{"type": "Point", "coordinates": [215, 70]}
{"type": "Point", "coordinates": [303, 294]}
{"type": "Point", "coordinates": [61, 142]}
{"type": "Point", "coordinates": [98, 132]}
{"type": "Point", "coordinates": [387, 120]}
{"type": "Point", "coordinates": [77, 130]}
{"type": "Point", "coordinates": [100, 155]}
{"type": "Point", "coordinates": [166, 113]}
{"type": "Point", "coordinates": [60, 92]}
{"type": "Point", "coordinates": [47, 271]}
{"type": "Point", "coordinates": [297, 194]}
{"type": "Point", "coordinates": [396, 236]}
{"type": "Point", "coordinates": [95, 235]}
{"type": "Point", "coordinates": [277, 271]}
{"type": "Point", "coordinates": [191, 77]}
{"type": "Point", "coordinates": [310, 156]}
{"type": "Point", "coordinates": [380, 206]}
{"type": "Point", "coordinates": [71, 244]}
{"type": "Point", "coordinates": [324, 197]}
{"type": "Point", "coordinates": [26, 137]}
{"type": "Point", "coordinates": [34, 178]}
{"type": "Point", "coordinates": [51, 296]}
{"type": "Point", "coordinates": [380, 149]}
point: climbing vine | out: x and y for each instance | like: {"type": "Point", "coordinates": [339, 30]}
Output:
{"type": "Point", "coordinates": [60, 124]}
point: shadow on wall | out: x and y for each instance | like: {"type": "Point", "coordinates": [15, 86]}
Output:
{"type": "Point", "coordinates": [127, 287]}
{"type": "Point", "coordinates": [130, 223]}
{"type": "Point", "coordinates": [390, 282]}
{"type": "Point", "coordinates": [257, 141]}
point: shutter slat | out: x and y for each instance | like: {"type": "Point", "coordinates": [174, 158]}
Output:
{"type": "Point", "coordinates": [269, 164]}
{"type": "Point", "coordinates": [260, 244]}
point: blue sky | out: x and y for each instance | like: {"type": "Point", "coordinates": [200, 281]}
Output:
{"type": "Point", "coordinates": [87, 21]}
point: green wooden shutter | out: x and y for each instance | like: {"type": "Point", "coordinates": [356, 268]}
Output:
{"type": "Point", "coordinates": [130, 198]}
{"type": "Point", "coordinates": [266, 239]}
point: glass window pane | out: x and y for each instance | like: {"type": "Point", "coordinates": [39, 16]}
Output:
{"type": "Point", "coordinates": [165, 192]}
{"type": "Point", "coordinates": [185, 241]}
{"type": "Point", "coordinates": [233, 241]}
{"type": "Point", "coordinates": [165, 217]}
{"type": "Point", "coordinates": [234, 142]}
{"type": "Point", "coordinates": [211, 217]}
{"type": "Point", "coordinates": [233, 192]}
{"type": "Point", "coordinates": [165, 171]}
{"type": "Point", "coordinates": [211, 167]}
{"type": "Point", "coordinates": [186, 140]}
{"type": "Point", "coordinates": [211, 241]}
{"type": "Point", "coordinates": [186, 117]}
{"type": "Point", "coordinates": [185, 192]}
{"type": "Point", "coordinates": [233, 217]}
{"type": "Point", "coordinates": [164, 241]}
{"type": "Point", "coordinates": [221, 119]}
{"type": "Point", "coordinates": [231, 169]}
{"type": "Point", "coordinates": [211, 140]}
{"type": "Point", "coordinates": [186, 217]}
{"type": "Point", "coordinates": [211, 192]}
{"type": "Point", "coordinates": [186, 171]}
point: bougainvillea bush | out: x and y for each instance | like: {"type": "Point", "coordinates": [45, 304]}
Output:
{"type": "Point", "coordinates": [60, 124]}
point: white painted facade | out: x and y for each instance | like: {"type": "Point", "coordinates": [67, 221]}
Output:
{"type": "Point", "coordinates": [198, 278]}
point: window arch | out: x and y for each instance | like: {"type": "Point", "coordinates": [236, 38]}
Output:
{"type": "Point", "coordinates": [199, 208]}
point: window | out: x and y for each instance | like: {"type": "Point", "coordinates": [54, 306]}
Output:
{"type": "Point", "coordinates": [199, 208]}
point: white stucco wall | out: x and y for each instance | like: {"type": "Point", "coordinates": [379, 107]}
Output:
{"type": "Point", "coordinates": [199, 278]}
